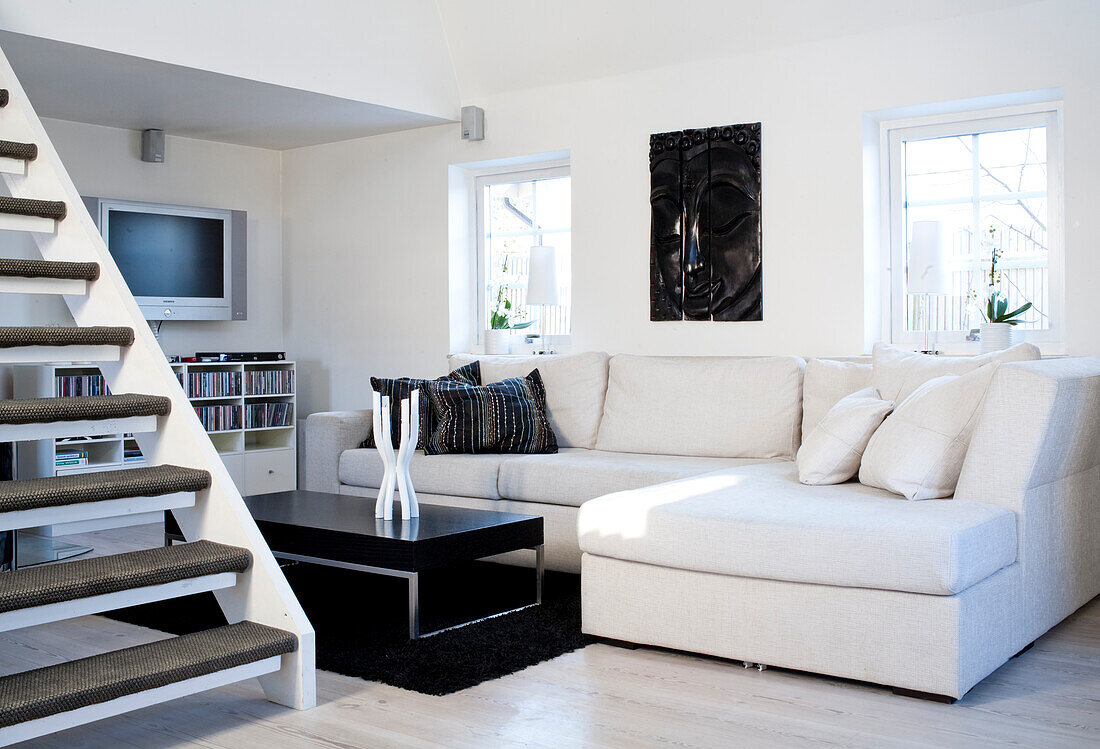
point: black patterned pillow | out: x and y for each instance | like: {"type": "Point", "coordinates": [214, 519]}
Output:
{"type": "Point", "coordinates": [401, 387]}
{"type": "Point", "coordinates": [503, 417]}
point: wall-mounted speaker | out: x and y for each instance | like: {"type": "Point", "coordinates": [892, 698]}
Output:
{"type": "Point", "coordinates": [152, 146]}
{"type": "Point", "coordinates": [473, 123]}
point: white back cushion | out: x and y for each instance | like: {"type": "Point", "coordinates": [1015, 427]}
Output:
{"type": "Point", "coordinates": [575, 388]}
{"type": "Point", "coordinates": [718, 407]}
{"type": "Point", "coordinates": [919, 450]}
{"type": "Point", "coordinates": [897, 372]}
{"type": "Point", "coordinates": [828, 381]}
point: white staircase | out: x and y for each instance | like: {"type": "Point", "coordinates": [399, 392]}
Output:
{"type": "Point", "coordinates": [269, 635]}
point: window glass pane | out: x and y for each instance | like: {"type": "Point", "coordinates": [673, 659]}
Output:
{"type": "Point", "coordinates": [553, 201]}
{"type": "Point", "coordinates": [556, 317]}
{"type": "Point", "coordinates": [1011, 173]}
{"type": "Point", "coordinates": [512, 206]}
{"type": "Point", "coordinates": [1013, 161]}
{"type": "Point", "coordinates": [938, 169]}
{"type": "Point", "coordinates": [522, 214]}
{"type": "Point", "coordinates": [947, 312]}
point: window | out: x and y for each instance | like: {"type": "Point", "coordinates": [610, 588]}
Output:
{"type": "Point", "coordinates": [516, 211]}
{"type": "Point", "coordinates": [995, 182]}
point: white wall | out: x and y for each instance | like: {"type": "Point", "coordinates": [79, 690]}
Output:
{"type": "Point", "coordinates": [106, 162]}
{"type": "Point", "coordinates": [388, 53]}
{"type": "Point", "coordinates": [366, 221]}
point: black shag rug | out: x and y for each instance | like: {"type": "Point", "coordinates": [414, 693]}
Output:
{"type": "Point", "coordinates": [362, 626]}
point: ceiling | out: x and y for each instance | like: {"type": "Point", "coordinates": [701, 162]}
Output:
{"type": "Point", "coordinates": [82, 84]}
{"type": "Point", "coordinates": [502, 47]}
{"type": "Point", "coordinates": [494, 47]}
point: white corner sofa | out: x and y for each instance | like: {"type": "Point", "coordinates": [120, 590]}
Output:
{"type": "Point", "coordinates": [676, 495]}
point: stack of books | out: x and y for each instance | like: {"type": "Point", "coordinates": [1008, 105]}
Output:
{"type": "Point", "coordinates": [131, 454]}
{"type": "Point", "coordinates": [70, 458]}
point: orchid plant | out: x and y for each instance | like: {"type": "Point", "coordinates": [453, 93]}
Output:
{"type": "Point", "coordinates": [501, 318]}
{"type": "Point", "coordinates": [996, 302]}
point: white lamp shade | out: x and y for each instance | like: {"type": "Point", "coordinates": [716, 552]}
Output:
{"type": "Point", "coordinates": [928, 271]}
{"type": "Point", "coordinates": [542, 276]}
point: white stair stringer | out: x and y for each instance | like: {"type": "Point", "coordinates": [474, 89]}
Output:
{"type": "Point", "coordinates": [219, 514]}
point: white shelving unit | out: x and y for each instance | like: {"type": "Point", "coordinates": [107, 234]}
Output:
{"type": "Point", "coordinates": [260, 458]}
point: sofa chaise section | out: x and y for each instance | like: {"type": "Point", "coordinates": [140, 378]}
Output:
{"type": "Point", "coordinates": [946, 591]}
{"type": "Point", "coordinates": [759, 521]}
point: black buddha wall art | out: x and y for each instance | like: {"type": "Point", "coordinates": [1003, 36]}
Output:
{"type": "Point", "coordinates": [705, 246]}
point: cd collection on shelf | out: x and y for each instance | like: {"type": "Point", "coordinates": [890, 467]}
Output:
{"type": "Point", "coordinates": [214, 384]}
{"type": "Point", "coordinates": [219, 418]}
{"type": "Point", "coordinates": [269, 382]}
{"type": "Point", "coordinates": [80, 385]}
{"type": "Point", "coordinates": [264, 415]}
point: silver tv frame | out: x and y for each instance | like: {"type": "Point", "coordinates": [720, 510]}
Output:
{"type": "Point", "coordinates": [233, 303]}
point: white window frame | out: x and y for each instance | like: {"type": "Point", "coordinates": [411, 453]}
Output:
{"type": "Point", "coordinates": [483, 181]}
{"type": "Point", "coordinates": [892, 135]}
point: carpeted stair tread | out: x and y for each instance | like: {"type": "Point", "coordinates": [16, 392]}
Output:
{"type": "Point", "coordinates": [16, 150]}
{"type": "Point", "coordinates": [11, 337]}
{"type": "Point", "coordinates": [57, 491]}
{"type": "Point", "coordinates": [49, 269]}
{"type": "Point", "coordinates": [3, 97]}
{"type": "Point", "coordinates": [68, 686]}
{"type": "Point", "coordinates": [54, 209]}
{"type": "Point", "coordinates": [82, 408]}
{"type": "Point", "coordinates": [54, 583]}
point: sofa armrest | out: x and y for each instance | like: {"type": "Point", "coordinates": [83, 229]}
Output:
{"type": "Point", "coordinates": [328, 435]}
{"type": "Point", "coordinates": [1036, 451]}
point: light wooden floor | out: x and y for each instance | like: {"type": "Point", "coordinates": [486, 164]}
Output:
{"type": "Point", "coordinates": [603, 696]}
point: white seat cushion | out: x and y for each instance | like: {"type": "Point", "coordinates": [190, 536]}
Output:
{"type": "Point", "coordinates": [458, 475]}
{"type": "Point", "coordinates": [706, 406]}
{"type": "Point", "coordinates": [575, 388]}
{"type": "Point", "coordinates": [574, 476]}
{"type": "Point", "coordinates": [759, 521]}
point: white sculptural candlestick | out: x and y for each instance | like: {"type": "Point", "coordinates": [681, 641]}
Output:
{"type": "Point", "coordinates": [396, 467]}
{"type": "Point", "coordinates": [410, 434]}
{"type": "Point", "coordinates": [383, 507]}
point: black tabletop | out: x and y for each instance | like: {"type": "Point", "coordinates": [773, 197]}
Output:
{"type": "Point", "coordinates": [348, 514]}
{"type": "Point", "coordinates": [343, 527]}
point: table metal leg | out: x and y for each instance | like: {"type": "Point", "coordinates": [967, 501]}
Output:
{"type": "Point", "coordinates": [414, 606]}
{"type": "Point", "coordinates": [539, 572]}
{"type": "Point", "coordinates": [414, 586]}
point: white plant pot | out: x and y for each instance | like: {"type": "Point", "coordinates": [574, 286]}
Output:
{"type": "Point", "coordinates": [498, 341]}
{"type": "Point", "coordinates": [996, 336]}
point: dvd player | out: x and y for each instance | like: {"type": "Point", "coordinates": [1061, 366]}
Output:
{"type": "Point", "coordinates": [240, 356]}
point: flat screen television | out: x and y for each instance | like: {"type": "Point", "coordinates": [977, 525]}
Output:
{"type": "Point", "coordinates": [180, 262]}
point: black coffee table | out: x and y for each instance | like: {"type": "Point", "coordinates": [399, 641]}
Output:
{"type": "Point", "coordinates": [341, 531]}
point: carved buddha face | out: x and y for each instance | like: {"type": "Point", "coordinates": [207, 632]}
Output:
{"type": "Point", "coordinates": [705, 205]}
